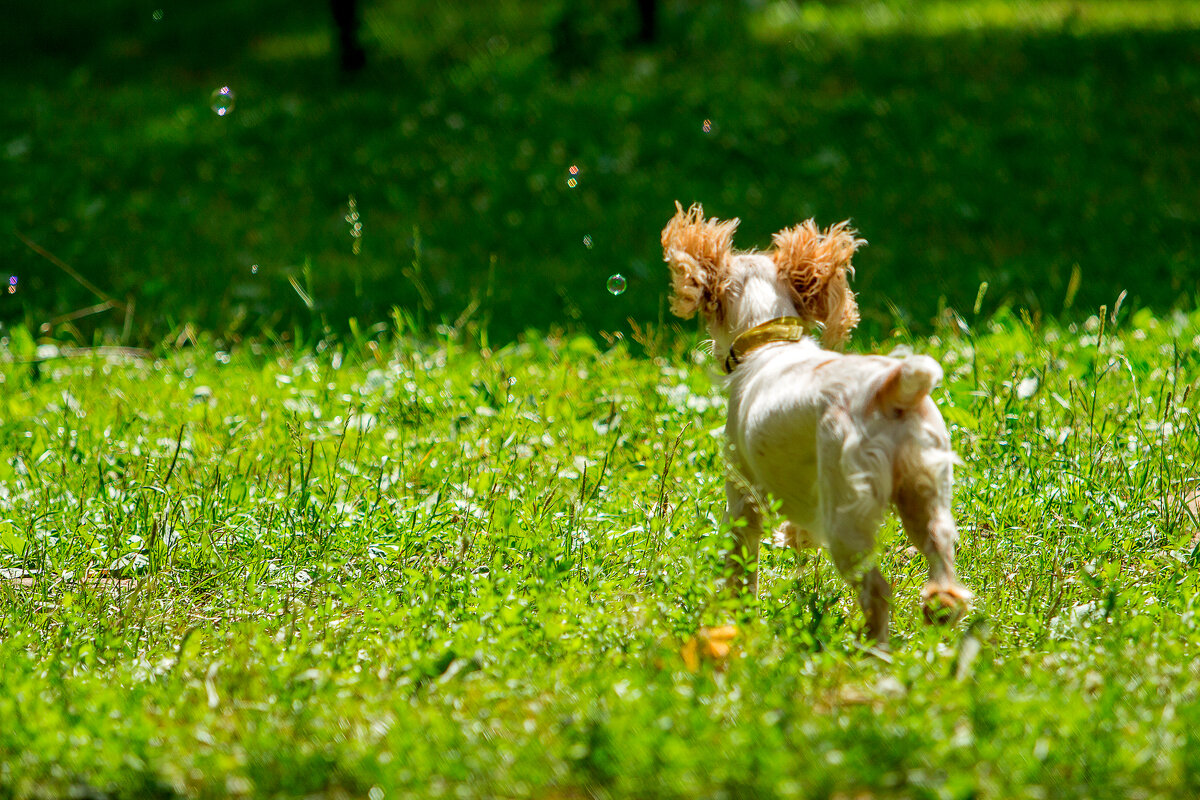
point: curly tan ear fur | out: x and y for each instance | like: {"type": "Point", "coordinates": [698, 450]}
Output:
{"type": "Point", "coordinates": [816, 266]}
{"type": "Point", "coordinates": [697, 251]}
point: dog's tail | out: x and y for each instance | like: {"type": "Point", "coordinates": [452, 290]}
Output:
{"type": "Point", "coordinates": [905, 385]}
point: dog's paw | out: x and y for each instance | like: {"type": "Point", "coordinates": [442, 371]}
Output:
{"type": "Point", "coordinates": [784, 536]}
{"type": "Point", "coordinates": [788, 535]}
{"type": "Point", "coordinates": [944, 604]}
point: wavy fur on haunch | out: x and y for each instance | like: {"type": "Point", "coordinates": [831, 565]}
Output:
{"type": "Point", "coordinates": [817, 267]}
{"type": "Point", "coordinates": [697, 251]}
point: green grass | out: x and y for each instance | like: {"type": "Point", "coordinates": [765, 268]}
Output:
{"type": "Point", "coordinates": [1018, 143]}
{"type": "Point", "coordinates": [354, 525]}
{"type": "Point", "coordinates": [376, 566]}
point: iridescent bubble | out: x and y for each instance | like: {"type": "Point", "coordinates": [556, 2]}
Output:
{"type": "Point", "coordinates": [587, 242]}
{"type": "Point", "coordinates": [574, 170]}
{"type": "Point", "coordinates": [158, 15]}
{"type": "Point", "coordinates": [254, 269]}
{"type": "Point", "coordinates": [12, 280]}
{"type": "Point", "coordinates": [355, 224]}
{"type": "Point", "coordinates": [572, 182]}
{"type": "Point", "coordinates": [707, 126]}
{"type": "Point", "coordinates": [223, 100]}
{"type": "Point", "coordinates": [616, 284]}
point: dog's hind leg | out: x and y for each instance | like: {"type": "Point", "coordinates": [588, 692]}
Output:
{"type": "Point", "coordinates": [944, 599]}
{"type": "Point", "coordinates": [923, 501]}
{"type": "Point", "coordinates": [743, 515]}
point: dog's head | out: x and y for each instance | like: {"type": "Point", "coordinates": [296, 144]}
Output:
{"type": "Point", "coordinates": [806, 275]}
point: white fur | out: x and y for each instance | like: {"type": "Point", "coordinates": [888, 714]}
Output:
{"type": "Point", "coordinates": [836, 439]}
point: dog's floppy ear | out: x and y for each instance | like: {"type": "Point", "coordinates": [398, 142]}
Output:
{"type": "Point", "coordinates": [697, 251]}
{"type": "Point", "coordinates": [817, 267]}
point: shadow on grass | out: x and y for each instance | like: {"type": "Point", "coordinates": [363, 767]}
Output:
{"type": "Point", "coordinates": [1016, 156]}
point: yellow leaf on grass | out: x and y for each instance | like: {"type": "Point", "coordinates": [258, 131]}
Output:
{"type": "Point", "coordinates": [709, 644]}
{"type": "Point", "coordinates": [690, 654]}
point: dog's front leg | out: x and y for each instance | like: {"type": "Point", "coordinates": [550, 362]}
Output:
{"type": "Point", "coordinates": [743, 515]}
{"type": "Point", "coordinates": [791, 535]}
{"type": "Point", "coordinates": [851, 550]}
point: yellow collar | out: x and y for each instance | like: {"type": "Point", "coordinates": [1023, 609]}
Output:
{"type": "Point", "coordinates": [780, 329]}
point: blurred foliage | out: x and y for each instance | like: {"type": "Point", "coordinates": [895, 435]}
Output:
{"type": "Point", "coordinates": [1008, 142]}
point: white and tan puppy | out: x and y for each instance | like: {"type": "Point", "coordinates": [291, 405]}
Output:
{"type": "Point", "coordinates": [834, 438]}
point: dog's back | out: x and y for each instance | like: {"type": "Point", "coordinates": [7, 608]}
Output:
{"type": "Point", "coordinates": [813, 427]}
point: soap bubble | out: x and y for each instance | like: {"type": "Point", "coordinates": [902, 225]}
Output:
{"type": "Point", "coordinates": [572, 182]}
{"type": "Point", "coordinates": [254, 269]}
{"type": "Point", "coordinates": [355, 224]}
{"type": "Point", "coordinates": [158, 15]}
{"type": "Point", "coordinates": [574, 170]}
{"type": "Point", "coordinates": [587, 242]}
{"type": "Point", "coordinates": [707, 126]}
{"type": "Point", "coordinates": [616, 284]}
{"type": "Point", "coordinates": [223, 100]}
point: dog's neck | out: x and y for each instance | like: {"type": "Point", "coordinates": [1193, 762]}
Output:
{"type": "Point", "coordinates": [759, 298]}
{"type": "Point", "coordinates": [773, 331]}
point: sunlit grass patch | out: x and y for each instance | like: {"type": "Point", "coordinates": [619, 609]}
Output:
{"type": "Point", "coordinates": [786, 18]}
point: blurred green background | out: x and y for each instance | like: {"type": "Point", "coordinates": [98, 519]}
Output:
{"type": "Point", "coordinates": [1049, 149]}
